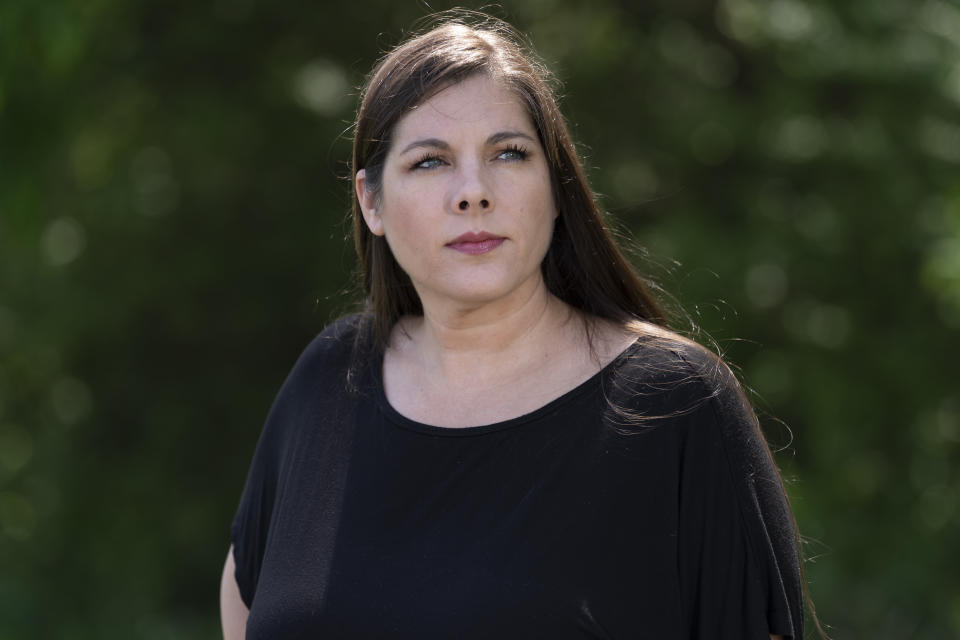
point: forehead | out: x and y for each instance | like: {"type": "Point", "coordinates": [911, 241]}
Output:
{"type": "Point", "coordinates": [477, 105]}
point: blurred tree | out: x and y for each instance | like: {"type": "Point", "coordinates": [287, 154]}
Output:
{"type": "Point", "coordinates": [172, 233]}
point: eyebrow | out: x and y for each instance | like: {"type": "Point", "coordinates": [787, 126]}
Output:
{"type": "Point", "coordinates": [437, 143]}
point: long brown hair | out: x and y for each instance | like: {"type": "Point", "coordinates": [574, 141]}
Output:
{"type": "Point", "coordinates": [583, 266]}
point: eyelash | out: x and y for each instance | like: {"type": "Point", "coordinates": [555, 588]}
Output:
{"type": "Point", "coordinates": [521, 154]}
{"type": "Point", "coordinates": [517, 149]}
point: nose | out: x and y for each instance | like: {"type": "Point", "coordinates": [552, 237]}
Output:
{"type": "Point", "coordinates": [473, 193]}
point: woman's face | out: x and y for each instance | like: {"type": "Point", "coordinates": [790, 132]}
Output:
{"type": "Point", "coordinates": [466, 204]}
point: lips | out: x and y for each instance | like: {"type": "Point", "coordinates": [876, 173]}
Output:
{"type": "Point", "coordinates": [476, 243]}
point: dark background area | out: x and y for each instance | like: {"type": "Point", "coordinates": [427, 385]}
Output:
{"type": "Point", "coordinates": [172, 234]}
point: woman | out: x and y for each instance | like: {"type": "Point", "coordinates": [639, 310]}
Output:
{"type": "Point", "coordinates": [509, 442]}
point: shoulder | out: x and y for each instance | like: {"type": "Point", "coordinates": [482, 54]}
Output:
{"type": "Point", "coordinates": [339, 346]}
{"type": "Point", "coordinates": [321, 379]}
{"type": "Point", "coordinates": [666, 381]}
{"type": "Point", "coordinates": [674, 374]}
{"type": "Point", "coordinates": [683, 357]}
{"type": "Point", "coordinates": [330, 364]}
{"type": "Point", "coordinates": [731, 495]}
{"type": "Point", "coordinates": [721, 430]}
{"type": "Point", "coordinates": [339, 338]}
{"type": "Point", "coordinates": [719, 384]}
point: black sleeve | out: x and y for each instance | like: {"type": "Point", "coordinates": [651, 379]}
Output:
{"type": "Point", "coordinates": [312, 387]}
{"type": "Point", "coordinates": [251, 524]}
{"type": "Point", "coordinates": [738, 556]}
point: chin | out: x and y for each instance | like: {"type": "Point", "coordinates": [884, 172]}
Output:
{"type": "Point", "coordinates": [478, 296]}
{"type": "Point", "coordinates": [476, 287]}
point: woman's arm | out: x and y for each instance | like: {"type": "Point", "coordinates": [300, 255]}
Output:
{"type": "Point", "coordinates": [233, 613]}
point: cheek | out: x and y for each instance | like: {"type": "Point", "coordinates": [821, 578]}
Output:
{"type": "Point", "coordinates": [408, 227]}
{"type": "Point", "coordinates": [398, 208]}
{"type": "Point", "coordinates": [404, 229]}
{"type": "Point", "coordinates": [545, 210]}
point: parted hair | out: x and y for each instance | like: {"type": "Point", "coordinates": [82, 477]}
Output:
{"type": "Point", "coordinates": [583, 265]}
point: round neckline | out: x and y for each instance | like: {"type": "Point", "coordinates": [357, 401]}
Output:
{"type": "Point", "coordinates": [400, 420]}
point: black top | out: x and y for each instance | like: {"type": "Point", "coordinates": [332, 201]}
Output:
{"type": "Point", "coordinates": [641, 504]}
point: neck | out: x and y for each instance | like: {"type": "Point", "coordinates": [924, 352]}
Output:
{"type": "Point", "coordinates": [467, 342]}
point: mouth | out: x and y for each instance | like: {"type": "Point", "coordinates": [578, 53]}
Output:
{"type": "Point", "coordinates": [476, 243]}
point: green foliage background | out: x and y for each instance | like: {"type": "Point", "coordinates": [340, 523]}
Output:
{"type": "Point", "coordinates": [172, 234]}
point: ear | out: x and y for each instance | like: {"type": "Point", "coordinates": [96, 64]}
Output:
{"type": "Point", "coordinates": [368, 204]}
